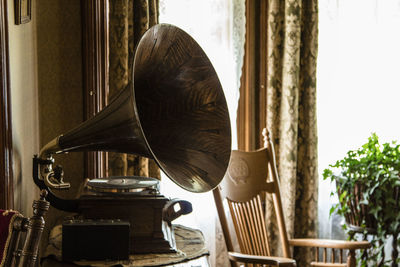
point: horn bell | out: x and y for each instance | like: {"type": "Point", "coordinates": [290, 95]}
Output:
{"type": "Point", "coordinates": [174, 111]}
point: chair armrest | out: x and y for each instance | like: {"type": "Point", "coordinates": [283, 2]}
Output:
{"type": "Point", "coordinates": [329, 243]}
{"type": "Point", "coordinates": [268, 260]}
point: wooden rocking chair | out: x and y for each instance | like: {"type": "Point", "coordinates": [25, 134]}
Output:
{"type": "Point", "coordinates": [250, 177]}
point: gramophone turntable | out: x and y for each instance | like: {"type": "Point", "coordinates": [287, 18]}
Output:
{"type": "Point", "coordinates": [174, 112]}
{"type": "Point", "coordinates": [124, 184]}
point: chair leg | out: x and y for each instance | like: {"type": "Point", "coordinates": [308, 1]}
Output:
{"type": "Point", "coordinates": [351, 259]}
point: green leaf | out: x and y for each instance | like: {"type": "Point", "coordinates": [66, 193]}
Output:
{"type": "Point", "coordinates": [332, 210]}
{"type": "Point", "coordinates": [342, 196]}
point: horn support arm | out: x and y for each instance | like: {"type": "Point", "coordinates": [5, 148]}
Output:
{"type": "Point", "coordinates": [70, 205]}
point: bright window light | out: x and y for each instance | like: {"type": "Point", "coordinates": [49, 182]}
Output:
{"type": "Point", "coordinates": [358, 86]}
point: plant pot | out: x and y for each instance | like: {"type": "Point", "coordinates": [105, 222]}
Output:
{"type": "Point", "coordinates": [358, 214]}
{"type": "Point", "coordinates": [359, 218]}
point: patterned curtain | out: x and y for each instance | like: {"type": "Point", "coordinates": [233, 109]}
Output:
{"type": "Point", "coordinates": [291, 111]}
{"type": "Point", "coordinates": [128, 20]}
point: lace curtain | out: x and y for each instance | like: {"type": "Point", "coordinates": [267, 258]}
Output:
{"type": "Point", "coordinates": [219, 27]}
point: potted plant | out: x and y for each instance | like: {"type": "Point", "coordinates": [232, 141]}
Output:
{"type": "Point", "coordinates": [367, 183]}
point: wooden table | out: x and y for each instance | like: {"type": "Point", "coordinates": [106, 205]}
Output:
{"type": "Point", "coordinates": [190, 245]}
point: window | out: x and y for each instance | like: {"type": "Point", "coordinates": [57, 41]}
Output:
{"type": "Point", "coordinates": [358, 88]}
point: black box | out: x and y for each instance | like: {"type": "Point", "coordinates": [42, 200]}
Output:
{"type": "Point", "coordinates": [95, 240]}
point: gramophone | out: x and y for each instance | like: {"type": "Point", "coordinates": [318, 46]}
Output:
{"type": "Point", "coordinates": [174, 111]}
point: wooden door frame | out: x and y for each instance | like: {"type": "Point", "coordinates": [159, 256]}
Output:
{"type": "Point", "coordinates": [6, 155]}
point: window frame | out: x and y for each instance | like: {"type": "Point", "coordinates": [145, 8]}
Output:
{"type": "Point", "coordinates": [251, 117]}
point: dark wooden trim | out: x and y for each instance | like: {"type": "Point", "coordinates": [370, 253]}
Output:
{"type": "Point", "coordinates": [247, 102]}
{"type": "Point", "coordinates": [263, 80]}
{"type": "Point", "coordinates": [244, 119]}
{"type": "Point", "coordinates": [95, 74]}
{"type": "Point", "coordinates": [6, 171]}
{"type": "Point", "coordinates": [252, 103]}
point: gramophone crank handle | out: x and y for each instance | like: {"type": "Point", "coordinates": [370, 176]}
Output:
{"type": "Point", "coordinates": [175, 208]}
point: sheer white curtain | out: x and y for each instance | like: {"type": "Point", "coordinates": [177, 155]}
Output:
{"type": "Point", "coordinates": [358, 84]}
{"type": "Point", "coordinates": [218, 26]}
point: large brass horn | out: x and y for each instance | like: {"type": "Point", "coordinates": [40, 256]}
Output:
{"type": "Point", "coordinates": [174, 111]}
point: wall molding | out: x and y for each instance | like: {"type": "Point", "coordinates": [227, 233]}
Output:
{"type": "Point", "coordinates": [6, 165]}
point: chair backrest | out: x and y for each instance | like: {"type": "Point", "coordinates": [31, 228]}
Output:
{"type": "Point", "coordinates": [249, 178]}
{"type": "Point", "coordinates": [25, 233]}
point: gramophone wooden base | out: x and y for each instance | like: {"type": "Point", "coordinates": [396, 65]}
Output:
{"type": "Point", "coordinates": [146, 245]}
{"type": "Point", "coordinates": [148, 232]}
